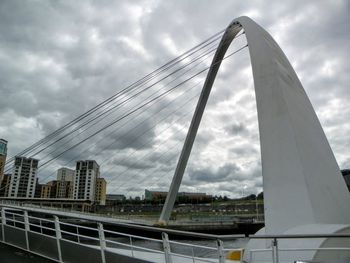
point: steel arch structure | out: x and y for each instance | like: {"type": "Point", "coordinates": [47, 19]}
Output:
{"type": "Point", "coordinates": [301, 179]}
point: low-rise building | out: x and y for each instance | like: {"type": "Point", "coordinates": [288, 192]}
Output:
{"type": "Point", "coordinates": [49, 190]}
{"type": "Point", "coordinates": [45, 191]}
{"type": "Point", "coordinates": [155, 195]}
{"type": "Point", "coordinates": [115, 197]}
{"type": "Point", "coordinates": [186, 197]}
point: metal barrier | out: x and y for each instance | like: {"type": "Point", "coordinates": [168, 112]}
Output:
{"type": "Point", "coordinates": [54, 231]}
{"type": "Point", "coordinates": [275, 250]}
{"type": "Point", "coordinates": [48, 236]}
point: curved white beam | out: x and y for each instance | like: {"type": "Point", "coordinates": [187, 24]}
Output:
{"type": "Point", "coordinates": [301, 178]}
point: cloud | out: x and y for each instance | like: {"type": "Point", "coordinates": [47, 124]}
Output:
{"type": "Point", "coordinates": [60, 59]}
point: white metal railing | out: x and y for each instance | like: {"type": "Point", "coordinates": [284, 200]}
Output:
{"type": "Point", "coordinates": [128, 217]}
{"type": "Point", "coordinates": [104, 239]}
{"type": "Point", "coordinates": [117, 242]}
{"type": "Point", "coordinates": [275, 250]}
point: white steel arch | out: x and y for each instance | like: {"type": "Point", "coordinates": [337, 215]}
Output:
{"type": "Point", "coordinates": [301, 179]}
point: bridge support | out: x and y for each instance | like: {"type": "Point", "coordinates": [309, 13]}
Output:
{"type": "Point", "coordinates": [196, 119]}
{"type": "Point", "coordinates": [301, 178]}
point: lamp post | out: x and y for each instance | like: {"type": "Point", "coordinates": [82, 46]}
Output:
{"type": "Point", "coordinates": [257, 208]}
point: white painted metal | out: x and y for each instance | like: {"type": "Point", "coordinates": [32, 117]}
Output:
{"type": "Point", "coordinates": [26, 227]}
{"type": "Point", "coordinates": [58, 237]}
{"type": "Point", "coordinates": [221, 254]}
{"type": "Point", "coordinates": [192, 132]}
{"type": "Point", "coordinates": [292, 245]}
{"type": "Point", "coordinates": [3, 223]}
{"type": "Point", "coordinates": [166, 247]}
{"type": "Point", "coordinates": [303, 245]}
{"type": "Point", "coordinates": [301, 178]}
{"type": "Point", "coordinates": [274, 245]}
{"type": "Point", "coordinates": [102, 238]}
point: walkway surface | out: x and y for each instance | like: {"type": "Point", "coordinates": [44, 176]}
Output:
{"type": "Point", "coordinates": [159, 258]}
{"type": "Point", "coordinates": [10, 254]}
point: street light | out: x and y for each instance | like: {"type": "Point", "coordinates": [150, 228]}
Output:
{"type": "Point", "coordinates": [257, 208]}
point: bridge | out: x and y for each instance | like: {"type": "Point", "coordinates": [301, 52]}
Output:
{"type": "Point", "coordinates": [295, 152]}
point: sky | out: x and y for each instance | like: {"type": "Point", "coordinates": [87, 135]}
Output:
{"type": "Point", "coordinates": [58, 59]}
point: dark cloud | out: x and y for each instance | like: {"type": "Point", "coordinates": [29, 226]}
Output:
{"type": "Point", "coordinates": [215, 175]}
{"type": "Point", "coordinates": [235, 129]}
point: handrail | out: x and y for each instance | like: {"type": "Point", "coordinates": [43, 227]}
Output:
{"type": "Point", "coordinates": [78, 235]}
{"type": "Point", "coordinates": [290, 236]}
{"type": "Point", "coordinates": [191, 245]}
{"type": "Point", "coordinates": [79, 226]}
{"type": "Point", "coordinates": [106, 243]}
{"type": "Point", "coordinates": [132, 246]}
{"type": "Point", "coordinates": [137, 226]}
{"type": "Point", "coordinates": [41, 219]}
{"type": "Point", "coordinates": [134, 236]}
{"type": "Point", "coordinates": [211, 260]}
{"type": "Point", "coordinates": [42, 227]}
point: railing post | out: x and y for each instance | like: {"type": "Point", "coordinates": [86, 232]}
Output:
{"type": "Point", "coordinates": [58, 237]}
{"type": "Point", "coordinates": [101, 235]}
{"type": "Point", "coordinates": [132, 247]}
{"type": "Point", "coordinates": [250, 256]}
{"type": "Point", "coordinates": [166, 247]}
{"type": "Point", "coordinates": [3, 223]}
{"type": "Point", "coordinates": [26, 227]}
{"type": "Point", "coordinates": [274, 244]}
{"type": "Point", "coordinates": [221, 253]}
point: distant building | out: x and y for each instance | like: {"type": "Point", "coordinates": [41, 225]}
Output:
{"type": "Point", "coordinates": [115, 197]}
{"type": "Point", "coordinates": [23, 179]}
{"type": "Point", "coordinates": [193, 197]}
{"type": "Point", "coordinates": [3, 153]}
{"type": "Point", "coordinates": [346, 175]}
{"type": "Point", "coordinates": [49, 190]}
{"type": "Point", "coordinates": [65, 183]}
{"type": "Point", "coordinates": [5, 185]}
{"type": "Point", "coordinates": [181, 197]}
{"type": "Point", "coordinates": [100, 194]}
{"type": "Point", "coordinates": [38, 189]}
{"type": "Point", "coordinates": [155, 195]}
{"type": "Point", "coordinates": [45, 191]}
{"type": "Point", "coordinates": [86, 174]}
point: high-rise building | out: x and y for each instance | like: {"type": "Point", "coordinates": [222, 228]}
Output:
{"type": "Point", "coordinates": [3, 153]}
{"type": "Point", "coordinates": [23, 179]}
{"type": "Point", "coordinates": [5, 185]}
{"type": "Point", "coordinates": [86, 174]}
{"type": "Point", "coordinates": [65, 181]}
{"type": "Point", "coordinates": [100, 193]}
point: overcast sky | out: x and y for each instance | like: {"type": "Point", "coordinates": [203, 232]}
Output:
{"type": "Point", "coordinates": [58, 59]}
